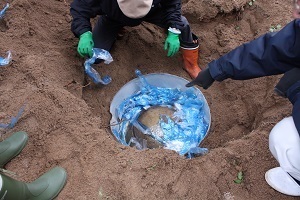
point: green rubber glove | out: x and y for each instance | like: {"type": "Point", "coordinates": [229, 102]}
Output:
{"type": "Point", "coordinates": [172, 43]}
{"type": "Point", "coordinates": [86, 44]}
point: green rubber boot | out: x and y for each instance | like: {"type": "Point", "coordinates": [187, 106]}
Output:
{"type": "Point", "coordinates": [12, 146]}
{"type": "Point", "coordinates": [46, 187]}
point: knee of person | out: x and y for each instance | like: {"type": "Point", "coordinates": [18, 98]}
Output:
{"type": "Point", "coordinates": [294, 159]}
{"type": "Point", "coordinates": [184, 21]}
{"type": "Point", "coordinates": [284, 132]}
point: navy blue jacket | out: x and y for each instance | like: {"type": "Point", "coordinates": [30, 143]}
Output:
{"type": "Point", "coordinates": [83, 10]}
{"type": "Point", "coordinates": [270, 54]}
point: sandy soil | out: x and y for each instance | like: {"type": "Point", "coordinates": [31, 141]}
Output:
{"type": "Point", "coordinates": [68, 122]}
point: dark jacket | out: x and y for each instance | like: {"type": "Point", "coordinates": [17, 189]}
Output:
{"type": "Point", "coordinates": [270, 54]}
{"type": "Point", "coordinates": [293, 94]}
{"type": "Point", "coordinates": [83, 10]}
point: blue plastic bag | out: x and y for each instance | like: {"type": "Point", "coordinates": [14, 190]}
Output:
{"type": "Point", "coordinates": [182, 132]}
{"type": "Point", "coordinates": [13, 120]}
{"type": "Point", "coordinates": [2, 12]}
{"type": "Point", "coordinates": [91, 72]}
{"type": "Point", "coordinates": [6, 61]}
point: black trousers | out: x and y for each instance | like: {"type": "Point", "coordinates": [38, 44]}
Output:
{"type": "Point", "coordinates": [106, 30]}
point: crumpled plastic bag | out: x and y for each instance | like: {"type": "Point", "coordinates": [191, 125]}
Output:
{"type": "Point", "coordinates": [6, 61]}
{"type": "Point", "coordinates": [13, 120]}
{"type": "Point", "coordinates": [182, 132]}
{"type": "Point", "coordinates": [2, 12]}
{"type": "Point", "coordinates": [91, 72]}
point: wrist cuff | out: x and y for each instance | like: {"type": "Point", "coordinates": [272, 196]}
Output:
{"type": "Point", "coordinates": [293, 92]}
{"type": "Point", "coordinates": [174, 30]}
{"type": "Point", "coordinates": [88, 32]}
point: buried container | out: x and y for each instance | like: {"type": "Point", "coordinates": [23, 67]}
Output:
{"type": "Point", "coordinates": [157, 110]}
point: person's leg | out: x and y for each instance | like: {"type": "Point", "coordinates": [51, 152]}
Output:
{"type": "Point", "coordinates": [105, 32]}
{"type": "Point", "coordinates": [189, 49]}
{"type": "Point", "coordinates": [284, 144]}
{"type": "Point", "coordinates": [187, 38]}
{"type": "Point", "coordinates": [47, 186]}
{"type": "Point", "coordinates": [12, 146]}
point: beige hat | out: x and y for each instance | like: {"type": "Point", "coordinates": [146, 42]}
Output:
{"type": "Point", "coordinates": [135, 8]}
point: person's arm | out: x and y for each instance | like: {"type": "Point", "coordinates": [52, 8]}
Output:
{"type": "Point", "coordinates": [172, 13]}
{"type": "Point", "coordinates": [82, 11]}
{"type": "Point", "coordinates": [172, 17]}
{"type": "Point", "coordinates": [270, 54]}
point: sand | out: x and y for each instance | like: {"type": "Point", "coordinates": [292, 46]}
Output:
{"type": "Point", "coordinates": [67, 117]}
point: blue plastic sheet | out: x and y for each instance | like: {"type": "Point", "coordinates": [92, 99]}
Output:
{"type": "Point", "coordinates": [6, 61]}
{"type": "Point", "coordinates": [182, 132]}
{"type": "Point", "coordinates": [91, 72]}
{"type": "Point", "coordinates": [2, 12]}
{"type": "Point", "coordinates": [13, 120]}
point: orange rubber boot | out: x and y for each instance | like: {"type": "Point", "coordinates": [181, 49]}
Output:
{"type": "Point", "coordinates": [190, 61]}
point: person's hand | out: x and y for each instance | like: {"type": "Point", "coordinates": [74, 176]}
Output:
{"type": "Point", "coordinates": [287, 80]}
{"type": "Point", "coordinates": [172, 43]}
{"type": "Point", "coordinates": [86, 44]}
{"type": "Point", "coordinates": [204, 79]}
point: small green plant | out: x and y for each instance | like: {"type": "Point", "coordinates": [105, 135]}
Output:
{"type": "Point", "coordinates": [239, 179]}
{"type": "Point", "coordinates": [274, 28]}
{"type": "Point", "coordinates": [251, 2]}
{"type": "Point", "coordinates": [151, 167]}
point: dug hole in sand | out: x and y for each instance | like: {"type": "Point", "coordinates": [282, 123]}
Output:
{"type": "Point", "coordinates": [152, 97]}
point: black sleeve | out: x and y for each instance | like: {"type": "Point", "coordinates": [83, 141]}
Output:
{"type": "Point", "coordinates": [172, 13]}
{"type": "Point", "coordinates": [270, 54]}
{"type": "Point", "coordinates": [82, 11]}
